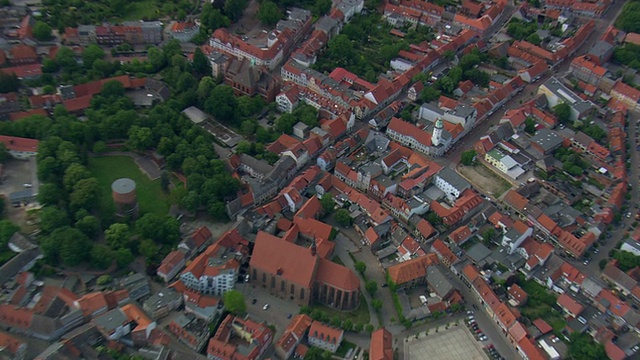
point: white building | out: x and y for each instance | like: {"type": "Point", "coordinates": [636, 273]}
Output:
{"type": "Point", "coordinates": [325, 337]}
{"type": "Point", "coordinates": [451, 183]}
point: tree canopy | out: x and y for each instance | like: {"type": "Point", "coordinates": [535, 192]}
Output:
{"type": "Point", "coordinates": [468, 157]}
{"type": "Point", "coordinates": [629, 18]}
{"type": "Point", "coordinates": [234, 302]}
{"type": "Point", "coordinates": [269, 13]}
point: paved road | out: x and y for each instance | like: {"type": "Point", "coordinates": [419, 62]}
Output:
{"type": "Point", "coordinates": [618, 234]}
{"type": "Point", "coordinates": [343, 246]}
{"type": "Point", "coordinates": [453, 156]}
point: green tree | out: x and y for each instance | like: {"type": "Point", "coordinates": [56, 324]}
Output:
{"type": "Point", "coordinates": [284, 124]}
{"type": "Point", "coordinates": [429, 94]}
{"type": "Point", "coordinates": [583, 347]}
{"type": "Point", "coordinates": [243, 147]}
{"type": "Point", "coordinates": [534, 39]}
{"type": "Point", "coordinates": [66, 59]}
{"type": "Point", "coordinates": [361, 267]}
{"type": "Point", "coordinates": [104, 280]}
{"type": "Point", "coordinates": [41, 31]}
{"type": "Point", "coordinates": [8, 83]}
{"type": "Point", "coordinates": [148, 249]}
{"type": "Point", "coordinates": [376, 304]}
{"type": "Point", "coordinates": [626, 260]}
{"type": "Point", "coordinates": [86, 193]}
{"type": "Point", "coordinates": [89, 226]}
{"type": "Point", "coordinates": [160, 229]}
{"type": "Point", "coordinates": [468, 157]}
{"type": "Point", "coordinates": [117, 236]}
{"type": "Point", "coordinates": [73, 174]}
{"type": "Point", "coordinates": [327, 202]}
{"type": "Point", "coordinates": [343, 217]}
{"type": "Point", "coordinates": [49, 66]}
{"type": "Point", "coordinates": [140, 138]}
{"type": "Point", "coordinates": [200, 63]}
{"type": "Point", "coordinates": [52, 218]}
{"type": "Point", "coordinates": [629, 18]}
{"type": "Point", "coordinates": [92, 53]}
{"type": "Point", "coordinates": [67, 245]}
{"type": "Point", "coordinates": [563, 112]}
{"type": "Point", "coordinates": [234, 8]}
{"type": "Point", "coordinates": [530, 126]}
{"type": "Point", "coordinates": [369, 328]}
{"type": "Point", "coordinates": [102, 256]}
{"type": "Point", "coordinates": [7, 229]}
{"type": "Point", "coordinates": [4, 153]}
{"type": "Point", "coordinates": [234, 302]}
{"type": "Point", "coordinates": [488, 235]}
{"type": "Point", "coordinates": [123, 257]}
{"type": "Point", "coordinates": [112, 89]}
{"type": "Point", "coordinates": [341, 50]}
{"type": "Point", "coordinates": [269, 13]}
{"type": "Point", "coordinates": [222, 104]}
{"type": "Point", "coordinates": [322, 7]}
{"type": "Point", "coordinates": [371, 286]}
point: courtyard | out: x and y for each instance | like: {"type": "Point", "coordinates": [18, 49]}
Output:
{"type": "Point", "coordinates": [450, 344]}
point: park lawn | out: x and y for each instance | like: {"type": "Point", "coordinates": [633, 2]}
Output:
{"type": "Point", "coordinates": [360, 315]}
{"type": "Point", "coordinates": [145, 9]}
{"type": "Point", "coordinates": [107, 169]}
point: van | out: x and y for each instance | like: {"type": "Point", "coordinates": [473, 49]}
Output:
{"type": "Point", "coordinates": [423, 299]}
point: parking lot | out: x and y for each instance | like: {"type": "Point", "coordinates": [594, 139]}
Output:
{"type": "Point", "coordinates": [15, 175]}
{"type": "Point", "coordinates": [451, 344]}
{"type": "Point", "coordinates": [278, 313]}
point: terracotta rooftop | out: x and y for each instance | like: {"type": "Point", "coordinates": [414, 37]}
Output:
{"type": "Point", "coordinates": [274, 255]}
{"type": "Point", "coordinates": [411, 269]}
{"type": "Point", "coordinates": [381, 345]}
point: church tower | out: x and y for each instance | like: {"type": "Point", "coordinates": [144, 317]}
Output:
{"type": "Point", "coordinates": [436, 137]}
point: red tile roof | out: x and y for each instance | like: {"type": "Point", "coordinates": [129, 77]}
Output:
{"type": "Point", "coordinates": [24, 71]}
{"type": "Point", "coordinates": [337, 276]}
{"type": "Point", "coordinates": [542, 326]}
{"type": "Point", "coordinates": [13, 143]}
{"type": "Point", "coordinates": [570, 304]}
{"type": "Point", "coordinates": [531, 350]}
{"type": "Point", "coordinates": [461, 234]}
{"type": "Point", "coordinates": [10, 343]}
{"type": "Point", "coordinates": [626, 91]}
{"type": "Point", "coordinates": [515, 200]}
{"type": "Point", "coordinates": [518, 294]}
{"type": "Point", "coordinates": [325, 333]}
{"type": "Point", "coordinates": [23, 114]}
{"type": "Point", "coordinates": [295, 331]}
{"type": "Point", "coordinates": [23, 52]}
{"type": "Point", "coordinates": [92, 302]}
{"type": "Point", "coordinates": [170, 262]}
{"type": "Point", "coordinates": [201, 236]}
{"type": "Point", "coordinates": [381, 345]}
{"type": "Point", "coordinates": [443, 251]}
{"type": "Point", "coordinates": [412, 269]}
{"type": "Point", "coordinates": [274, 255]}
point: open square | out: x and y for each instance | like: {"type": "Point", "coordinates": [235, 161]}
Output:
{"type": "Point", "coordinates": [456, 343]}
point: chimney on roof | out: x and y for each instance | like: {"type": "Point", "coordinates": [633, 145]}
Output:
{"type": "Point", "coordinates": [279, 271]}
{"type": "Point", "coordinates": [313, 247]}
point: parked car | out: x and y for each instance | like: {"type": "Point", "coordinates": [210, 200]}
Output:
{"type": "Point", "coordinates": [265, 307]}
{"type": "Point", "coordinates": [254, 301]}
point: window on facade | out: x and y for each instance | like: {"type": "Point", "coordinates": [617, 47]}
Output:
{"type": "Point", "coordinates": [302, 293]}
{"type": "Point", "coordinates": [264, 278]}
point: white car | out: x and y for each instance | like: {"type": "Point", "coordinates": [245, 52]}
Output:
{"type": "Point", "coordinates": [27, 185]}
{"type": "Point", "coordinates": [265, 307]}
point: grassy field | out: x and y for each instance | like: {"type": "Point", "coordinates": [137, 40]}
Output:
{"type": "Point", "coordinates": [360, 315]}
{"type": "Point", "coordinates": [344, 348]}
{"type": "Point", "coordinates": [147, 9]}
{"type": "Point", "coordinates": [107, 169]}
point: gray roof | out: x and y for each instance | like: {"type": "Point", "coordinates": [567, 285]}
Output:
{"type": "Point", "coordinates": [132, 279]}
{"type": "Point", "coordinates": [123, 186]}
{"type": "Point", "coordinates": [326, 24]}
{"type": "Point", "coordinates": [567, 95]}
{"type": "Point", "coordinates": [260, 166]}
{"type": "Point", "coordinates": [478, 252]}
{"type": "Point", "coordinates": [547, 139]}
{"type": "Point", "coordinates": [22, 261]}
{"type": "Point", "coordinates": [600, 48]}
{"type": "Point", "coordinates": [438, 281]}
{"type": "Point", "coordinates": [195, 115]}
{"type": "Point", "coordinates": [162, 298]}
{"type": "Point", "coordinates": [453, 179]}
{"type": "Point", "coordinates": [463, 110]}
{"type": "Point", "coordinates": [21, 242]}
{"type": "Point", "coordinates": [110, 320]}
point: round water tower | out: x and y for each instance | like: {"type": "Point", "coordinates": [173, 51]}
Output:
{"type": "Point", "coordinates": [124, 197]}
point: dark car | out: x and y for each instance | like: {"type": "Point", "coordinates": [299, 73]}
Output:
{"type": "Point", "coordinates": [254, 301]}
